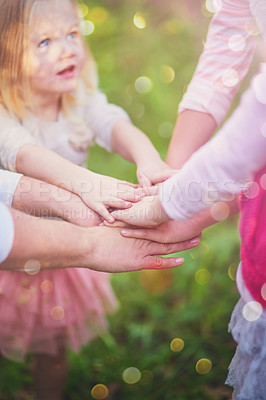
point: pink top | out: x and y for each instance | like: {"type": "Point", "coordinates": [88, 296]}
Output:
{"type": "Point", "coordinates": [253, 238]}
{"type": "Point", "coordinates": [226, 57]}
{"type": "Point", "coordinates": [226, 164]}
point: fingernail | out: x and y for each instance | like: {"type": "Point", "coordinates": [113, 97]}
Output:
{"type": "Point", "coordinates": [128, 203]}
{"type": "Point", "coordinates": [179, 260]}
{"type": "Point", "coordinates": [195, 241]}
{"type": "Point", "coordinates": [124, 232]}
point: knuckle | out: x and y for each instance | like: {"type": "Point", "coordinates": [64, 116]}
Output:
{"type": "Point", "coordinates": [168, 247]}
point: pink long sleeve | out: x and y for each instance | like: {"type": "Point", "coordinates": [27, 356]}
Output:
{"type": "Point", "coordinates": [225, 164]}
{"type": "Point", "coordinates": [224, 62]}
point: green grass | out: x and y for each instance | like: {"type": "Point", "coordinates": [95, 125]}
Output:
{"type": "Point", "coordinates": [155, 306]}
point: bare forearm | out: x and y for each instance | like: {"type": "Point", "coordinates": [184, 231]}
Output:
{"type": "Point", "coordinates": [39, 198]}
{"type": "Point", "coordinates": [192, 130]}
{"type": "Point", "coordinates": [215, 214]}
{"type": "Point", "coordinates": [131, 143]}
{"type": "Point", "coordinates": [41, 163]}
{"type": "Point", "coordinates": [53, 244]}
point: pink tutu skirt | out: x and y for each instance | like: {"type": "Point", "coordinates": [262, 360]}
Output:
{"type": "Point", "coordinates": [65, 304]}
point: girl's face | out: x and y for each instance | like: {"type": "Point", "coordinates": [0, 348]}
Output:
{"type": "Point", "coordinates": [55, 54]}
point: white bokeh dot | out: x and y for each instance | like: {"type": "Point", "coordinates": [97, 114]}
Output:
{"type": "Point", "coordinates": [143, 84]}
{"type": "Point", "coordinates": [230, 77]}
{"type": "Point", "coordinates": [252, 311]}
{"type": "Point", "coordinates": [213, 6]}
{"type": "Point", "coordinates": [263, 129]}
{"type": "Point", "coordinates": [259, 85]}
{"type": "Point", "coordinates": [263, 181]}
{"type": "Point", "coordinates": [87, 28]}
{"type": "Point", "coordinates": [263, 291]}
{"type": "Point", "coordinates": [237, 42]}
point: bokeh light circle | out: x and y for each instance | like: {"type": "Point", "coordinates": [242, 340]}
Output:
{"type": "Point", "coordinates": [47, 286]}
{"type": "Point", "coordinates": [263, 291]}
{"type": "Point", "coordinates": [86, 27]}
{"type": "Point", "coordinates": [232, 271]}
{"type": "Point", "coordinates": [139, 21]}
{"type": "Point", "coordinates": [166, 129]}
{"type": "Point", "coordinates": [157, 281]}
{"type": "Point", "coordinates": [263, 181]}
{"type": "Point", "coordinates": [203, 366]}
{"type": "Point", "coordinates": [220, 211]}
{"type": "Point", "coordinates": [32, 267]}
{"type": "Point", "coordinates": [202, 276]}
{"type": "Point", "coordinates": [99, 392]}
{"type": "Point", "coordinates": [237, 43]}
{"type": "Point", "coordinates": [82, 10]}
{"type": "Point", "coordinates": [263, 129]}
{"type": "Point", "coordinates": [177, 345]}
{"type": "Point", "coordinates": [167, 74]}
{"type": "Point", "coordinates": [252, 190]}
{"type": "Point", "coordinates": [230, 77]}
{"type": "Point", "coordinates": [252, 311]}
{"type": "Point", "coordinates": [251, 27]}
{"type": "Point", "coordinates": [213, 6]}
{"type": "Point", "coordinates": [131, 375]}
{"type": "Point", "coordinates": [57, 313]}
{"type": "Point", "coordinates": [259, 85]}
{"type": "Point", "coordinates": [143, 84]}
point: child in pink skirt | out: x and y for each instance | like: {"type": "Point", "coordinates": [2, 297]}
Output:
{"type": "Point", "coordinates": [49, 104]}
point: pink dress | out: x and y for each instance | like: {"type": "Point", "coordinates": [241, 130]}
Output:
{"type": "Point", "coordinates": [69, 304]}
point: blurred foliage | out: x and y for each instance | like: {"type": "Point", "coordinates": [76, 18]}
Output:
{"type": "Point", "coordinates": [155, 306]}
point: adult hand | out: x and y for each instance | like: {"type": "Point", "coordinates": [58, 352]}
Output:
{"type": "Point", "coordinates": [114, 253]}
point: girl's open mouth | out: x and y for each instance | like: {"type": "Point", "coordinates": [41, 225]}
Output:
{"type": "Point", "coordinates": [67, 72]}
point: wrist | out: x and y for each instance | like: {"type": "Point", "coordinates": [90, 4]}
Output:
{"type": "Point", "coordinates": [159, 213]}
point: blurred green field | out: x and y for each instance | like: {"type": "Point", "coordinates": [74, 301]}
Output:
{"type": "Point", "coordinates": [192, 302]}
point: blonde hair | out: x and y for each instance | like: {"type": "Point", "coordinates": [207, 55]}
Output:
{"type": "Point", "coordinates": [15, 91]}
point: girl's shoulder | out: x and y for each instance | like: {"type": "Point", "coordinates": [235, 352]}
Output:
{"type": "Point", "coordinates": [7, 119]}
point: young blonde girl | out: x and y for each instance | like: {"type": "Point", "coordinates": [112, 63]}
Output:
{"type": "Point", "coordinates": [50, 113]}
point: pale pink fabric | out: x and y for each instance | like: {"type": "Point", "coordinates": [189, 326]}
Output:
{"type": "Point", "coordinates": [32, 318]}
{"type": "Point", "coordinates": [221, 67]}
{"type": "Point", "coordinates": [35, 311]}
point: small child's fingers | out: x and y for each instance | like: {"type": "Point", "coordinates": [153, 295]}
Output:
{"type": "Point", "coordinates": [132, 196]}
{"type": "Point", "coordinates": [133, 185]}
{"type": "Point", "coordinates": [116, 224]}
{"type": "Point", "coordinates": [114, 202]}
{"type": "Point", "coordinates": [151, 190]}
{"type": "Point", "coordinates": [104, 213]}
{"type": "Point", "coordinates": [144, 181]}
{"type": "Point", "coordinates": [122, 215]}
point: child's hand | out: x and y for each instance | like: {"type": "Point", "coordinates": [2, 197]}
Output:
{"type": "Point", "coordinates": [147, 213]}
{"type": "Point", "coordinates": [152, 172]}
{"type": "Point", "coordinates": [101, 192]}
{"type": "Point", "coordinates": [78, 213]}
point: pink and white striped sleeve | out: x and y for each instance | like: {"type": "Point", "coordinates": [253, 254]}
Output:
{"type": "Point", "coordinates": [224, 62]}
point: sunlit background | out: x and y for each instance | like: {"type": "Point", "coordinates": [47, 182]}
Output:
{"type": "Point", "coordinates": [169, 338]}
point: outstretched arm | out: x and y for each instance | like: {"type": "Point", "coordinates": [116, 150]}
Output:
{"type": "Point", "coordinates": [58, 244]}
{"type": "Point", "coordinates": [223, 64]}
{"type": "Point", "coordinates": [136, 147]}
{"type": "Point", "coordinates": [97, 191]}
